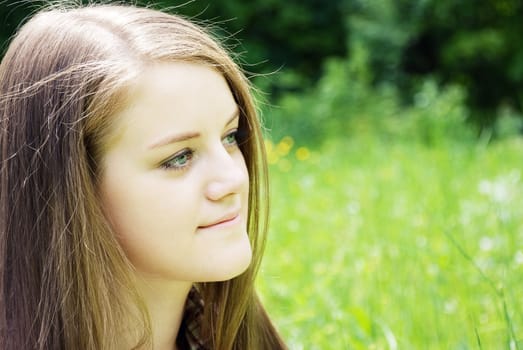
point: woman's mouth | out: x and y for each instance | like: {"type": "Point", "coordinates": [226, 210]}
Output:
{"type": "Point", "coordinates": [225, 221]}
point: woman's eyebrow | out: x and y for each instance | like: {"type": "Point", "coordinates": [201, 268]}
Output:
{"type": "Point", "coordinates": [186, 136]}
{"type": "Point", "coordinates": [173, 139]}
{"type": "Point", "coordinates": [235, 115]}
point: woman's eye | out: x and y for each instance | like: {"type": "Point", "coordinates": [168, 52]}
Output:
{"type": "Point", "coordinates": [231, 139]}
{"type": "Point", "coordinates": [179, 161]}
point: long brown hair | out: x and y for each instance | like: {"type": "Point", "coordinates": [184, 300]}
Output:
{"type": "Point", "coordinates": [65, 282]}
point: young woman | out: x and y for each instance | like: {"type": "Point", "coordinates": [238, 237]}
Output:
{"type": "Point", "coordinates": [133, 198]}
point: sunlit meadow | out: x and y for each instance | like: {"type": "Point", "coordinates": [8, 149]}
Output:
{"type": "Point", "coordinates": [383, 244]}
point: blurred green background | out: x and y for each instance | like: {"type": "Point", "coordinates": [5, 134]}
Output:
{"type": "Point", "coordinates": [394, 135]}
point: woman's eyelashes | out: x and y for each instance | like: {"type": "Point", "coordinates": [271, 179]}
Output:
{"type": "Point", "coordinates": [231, 139]}
{"type": "Point", "coordinates": [179, 161]}
{"type": "Point", "coordinates": [183, 159]}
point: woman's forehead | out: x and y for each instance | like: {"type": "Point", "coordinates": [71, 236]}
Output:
{"type": "Point", "coordinates": [177, 96]}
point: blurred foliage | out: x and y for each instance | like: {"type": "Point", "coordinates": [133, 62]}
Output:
{"type": "Point", "coordinates": [288, 47]}
{"type": "Point", "coordinates": [344, 104]}
{"type": "Point", "coordinates": [476, 44]}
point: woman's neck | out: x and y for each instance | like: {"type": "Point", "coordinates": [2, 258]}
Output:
{"type": "Point", "coordinates": [165, 301]}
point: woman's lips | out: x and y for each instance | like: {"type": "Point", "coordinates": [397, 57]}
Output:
{"type": "Point", "coordinates": [226, 221]}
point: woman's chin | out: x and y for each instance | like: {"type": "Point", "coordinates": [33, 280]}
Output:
{"type": "Point", "coordinates": [229, 267]}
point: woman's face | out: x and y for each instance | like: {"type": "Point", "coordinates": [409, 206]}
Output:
{"type": "Point", "coordinates": [174, 183]}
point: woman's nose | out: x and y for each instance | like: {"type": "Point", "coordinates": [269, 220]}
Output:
{"type": "Point", "coordinates": [227, 175]}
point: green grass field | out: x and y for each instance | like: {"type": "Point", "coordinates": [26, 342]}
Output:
{"type": "Point", "coordinates": [378, 244]}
